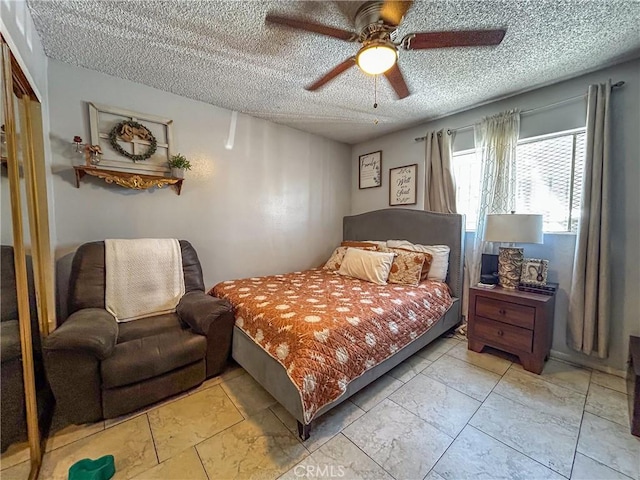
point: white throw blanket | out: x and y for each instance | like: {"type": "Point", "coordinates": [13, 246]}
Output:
{"type": "Point", "coordinates": [144, 277]}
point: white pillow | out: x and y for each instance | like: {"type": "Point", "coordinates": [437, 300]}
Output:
{"type": "Point", "coordinates": [440, 254]}
{"type": "Point", "coordinates": [367, 265]}
{"type": "Point", "coordinates": [377, 242]}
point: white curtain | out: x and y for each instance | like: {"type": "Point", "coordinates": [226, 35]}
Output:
{"type": "Point", "coordinates": [496, 138]}
{"type": "Point", "coordinates": [439, 186]}
{"type": "Point", "coordinates": [589, 299]}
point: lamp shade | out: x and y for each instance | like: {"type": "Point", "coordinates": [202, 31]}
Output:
{"type": "Point", "coordinates": [513, 228]}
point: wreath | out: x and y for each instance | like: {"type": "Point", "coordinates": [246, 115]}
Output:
{"type": "Point", "coordinates": [128, 129]}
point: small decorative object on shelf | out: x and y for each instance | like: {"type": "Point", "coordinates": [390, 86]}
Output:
{"type": "Point", "coordinates": [178, 164]}
{"type": "Point", "coordinates": [78, 141]}
{"type": "Point", "coordinates": [92, 155]}
{"type": "Point", "coordinates": [128, 179]}
{"type": "Point", "coordinates": [91, 152]}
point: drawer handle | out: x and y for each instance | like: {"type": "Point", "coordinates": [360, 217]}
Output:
{"type": "Point", "coordinates": [502, 311]}
{"type": "Point", "coordinates": [500, 333]}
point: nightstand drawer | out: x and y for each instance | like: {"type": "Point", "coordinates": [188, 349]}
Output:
{"type": "Point", "coordinates": [502, 334]}
{"type": "Point", "coordinates": [506, 312]}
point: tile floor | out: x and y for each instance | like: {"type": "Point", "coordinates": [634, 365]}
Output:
{"type": "Point", "coordinates": [445, 413]}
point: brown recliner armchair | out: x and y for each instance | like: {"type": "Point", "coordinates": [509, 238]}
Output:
{"type": "Point", "coordinates": [99, 368]}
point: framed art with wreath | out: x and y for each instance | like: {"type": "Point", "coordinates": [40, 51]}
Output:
{"type": "Point", "coordinates": [131, 141]}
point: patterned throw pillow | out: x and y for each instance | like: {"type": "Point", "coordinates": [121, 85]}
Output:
{"type": "Point", "coordinates": [407, 266]}
{"type": "Point", "coordinates": [335, 260]}
{"type": "Point", "coordinates": [439, 254]}
{"type": "Point", "coordinates": [426, 266]}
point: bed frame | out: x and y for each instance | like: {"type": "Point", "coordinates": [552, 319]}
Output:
{"type": "Point", "coordinates": [417, 226]}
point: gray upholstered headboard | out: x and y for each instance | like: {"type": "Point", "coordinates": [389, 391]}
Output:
{"type": "Point", "coordinates": [416, 226]}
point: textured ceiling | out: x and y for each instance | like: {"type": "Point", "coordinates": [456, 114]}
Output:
{"type": "Point", "coordinates": [221, 52]}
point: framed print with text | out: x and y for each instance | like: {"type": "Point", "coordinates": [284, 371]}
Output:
{"type": "Point", "coordinates": [402, 185]}
{"type": "Point", "coordinates": [370, 170]}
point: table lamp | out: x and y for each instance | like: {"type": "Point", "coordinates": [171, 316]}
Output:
{"type": "Point", "coordinates": [512, 228]}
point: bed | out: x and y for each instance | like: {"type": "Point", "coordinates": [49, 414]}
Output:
{"type": "Point", "coordinates": [282, 370]}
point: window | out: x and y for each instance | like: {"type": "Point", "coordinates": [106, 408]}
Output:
{"type": "Point", "coordinates": [548, 180]}
{"type": "Point", "coordinates": [467, 174]}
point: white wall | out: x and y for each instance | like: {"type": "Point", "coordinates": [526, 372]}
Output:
{"type": "Point", "coordinates": [272, 204]}
{"type": "Point", "coordinates": [400, 149]}
{"type": "Point", "coordinates": [19, 32]}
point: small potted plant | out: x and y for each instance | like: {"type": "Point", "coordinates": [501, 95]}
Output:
{"type": "Point", "coordinates": [178, 164]}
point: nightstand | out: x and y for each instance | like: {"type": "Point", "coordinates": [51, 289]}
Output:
{"type": "Point", "coordinates": [517, 322]}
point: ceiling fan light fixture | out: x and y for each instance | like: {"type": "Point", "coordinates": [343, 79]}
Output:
{"type": "Point", "coordinates": [377, 57]}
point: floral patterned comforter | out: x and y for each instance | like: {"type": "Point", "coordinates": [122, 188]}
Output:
{"type": "Point", "coordinates": [327, 329]}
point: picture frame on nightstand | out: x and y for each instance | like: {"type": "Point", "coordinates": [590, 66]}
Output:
{"type": "Point", "coordinates": [534, 271]}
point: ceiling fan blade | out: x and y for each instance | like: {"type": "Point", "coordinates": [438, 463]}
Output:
{"type": "Point", "coordinates": [341, 68]}
{"type": "Point", "coordinates": [394, 75]}
{"type": "Point", "coordinates": [465, 38]}
{"type": "Point", "coordinates": [312, 27]}
{"type": "Point", "coordinates": [393, 11]}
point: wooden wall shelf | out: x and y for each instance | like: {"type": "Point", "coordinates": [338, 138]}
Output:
{"type": "Point", "coordinates": [136, 181]}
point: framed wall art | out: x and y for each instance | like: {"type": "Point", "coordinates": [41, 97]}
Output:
{"type": "Point", "coordinates": [402, 185]}
{"type": "Point", "coordinates": [131, 141]}
{"type": "Point", "coordinates": [534, 271]}
{"type": "Point", "coordinates": [370, 170]}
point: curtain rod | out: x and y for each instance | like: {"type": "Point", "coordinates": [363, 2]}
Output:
{"type": "Point", "coordinates": [525, 112]}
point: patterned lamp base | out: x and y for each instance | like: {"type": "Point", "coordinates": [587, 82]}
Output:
{"type": "Point", "coordinates": [509, 266]}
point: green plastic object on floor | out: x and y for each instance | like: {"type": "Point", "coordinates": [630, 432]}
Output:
{"type": "Point", "coordinates": [102, 468]}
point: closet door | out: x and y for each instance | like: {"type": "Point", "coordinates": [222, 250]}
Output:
{"type": "Point", "coordinates": [26, 269]}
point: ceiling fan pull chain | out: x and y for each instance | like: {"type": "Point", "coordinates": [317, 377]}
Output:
{"type": "Point", "coordinates": [375, 96]}
{"type": "Point", "coordinates": [375, 91]}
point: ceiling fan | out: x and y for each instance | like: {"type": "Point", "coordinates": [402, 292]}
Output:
{"type": "Point", "coordinates": [377, 25]}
